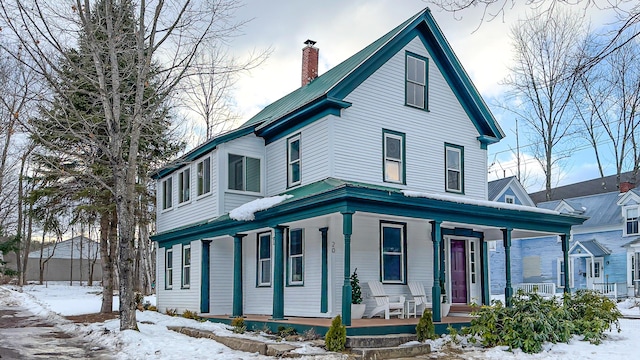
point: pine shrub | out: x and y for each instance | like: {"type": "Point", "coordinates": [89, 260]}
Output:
{"type": "Point", "coordinates": [238, 325]}
{"type": "Point", "coordinates": [425, 328]}
{"type": "Point", "coordinates": [336, 336]}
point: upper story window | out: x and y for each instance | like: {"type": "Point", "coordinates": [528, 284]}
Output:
{"type": "Point", "coordinates": [244, 173]}
{"type": "Point", "coordinates": [454, 172]}
{"type": "Point", "coordinates": [393, 247]}
{"type": "Point", "coordinates": [295, 253]}
{"type": "Point", "coordinates": [186, 266]}
{"type": "Point", "coordinates": [509, 199]}
{"type": "Point", "coordinates": [203, 170]}
{"type": "Point", "coordinates": [264, 259]}
{"type": "Point", "coordinates": [167, 193]}
{"type": "Point", "coordinates": [168, 269]}
{"type": "Point", "coordinates": [184, 185]}
{"type": "Point", "coordinates": [293, 161]}
{"type": "Point", "coordinates": [393, 156]}
{"type": "Point", "coordinates": [416, 81]}
{"type": "Point", "coordinates": [631, 215]}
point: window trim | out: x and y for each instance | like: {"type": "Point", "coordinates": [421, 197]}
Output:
{"type": "Point", "coordinates": [259, 282]}
{"type": "Point", "coordinates": [290, 257]}
{"type": "Point", "coordinates": [424, 59]}
{"type": "Point", "coordinates": [509, 197]}
{"type": "Point", "coordinates": [244, 174]}
{"type": "Point", "coordinates": [186, 268]}
{"type": "Point", "coordinates": [184, 193]}
{"type": "Point", "coordinates": [403, 252]}
{"type": "Point", "coordinates": [203, 177]}
{"type": "Point", "coordinates": [167, 193]}
{"type": "Point", "coordinates": [460, 150]}
{"type": "Point", "coordinates": [403, 159]}
{"type": "Point", "coordinates": [168, 271]}
{"type": "Point", "coordinates": [290, 163]}
{"type": "Point", "coordinates": [625, 210]}
{"type": "Point", "coordinates": [560, 271]}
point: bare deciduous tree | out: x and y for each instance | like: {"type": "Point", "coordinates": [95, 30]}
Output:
{"type": "Point", "coordinates": [154, 52]}
{"type": "Point", "coordinates": [542, 83]}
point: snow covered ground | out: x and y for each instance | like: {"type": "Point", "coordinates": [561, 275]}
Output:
{"type": "Point", "coordinates": [154, 341]}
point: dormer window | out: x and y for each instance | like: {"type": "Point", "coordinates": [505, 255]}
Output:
{"type": "Point", "coordinates": [416, 81]}
{"type": "Point", "coordinates": [244, 173]}
{"type": "Point", "coordinates": [631, 215]}
{"type": "Point", "coordinates": [509, 199]}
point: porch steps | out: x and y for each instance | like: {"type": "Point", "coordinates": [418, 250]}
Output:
{"type": "Point", "coordinates": [460, 310]}
{"type": "Point", "coordinates": [385, 346]}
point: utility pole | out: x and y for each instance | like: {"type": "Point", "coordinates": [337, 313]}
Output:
{"type": "Point", "coordinates": [518, 149]}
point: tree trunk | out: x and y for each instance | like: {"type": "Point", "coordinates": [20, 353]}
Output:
{"type": "Point", "coordinates": [107, 243]}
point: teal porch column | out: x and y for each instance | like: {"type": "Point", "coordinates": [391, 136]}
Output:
{"type": "Point", "coordinates": [204, 274]}
{"type": "Point", "coordinates": [508, 290]}
{"type": "Point", "coordinates": [278, 274]}
{"type": "Point", "coordinates": [237, 275]}
{"type": "Point", "coordinates": [347, 228]}
{"type": "Point", "coordinates": [436, 237]}
{"type": "Point", "coordinates": [564, 238]}
{"type": "Point", "coordinates": [324, 281]}
{"type": "Point", "coordinates": [486, 287]}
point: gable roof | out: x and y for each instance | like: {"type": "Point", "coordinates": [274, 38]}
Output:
{"type": "Point", "coordinates": [325, 94]}
{"type": "Point", "coordinates": [496, 188]}
{"type": "Point", "coordinates": [590, 247]}
{"type": "Point", "coordinates": [589, 187]}
{"type": "Point", "coordinates": [601, 209]}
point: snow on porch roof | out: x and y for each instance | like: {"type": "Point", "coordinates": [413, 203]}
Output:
{"type": "Point", "coordinates": [589, 248]}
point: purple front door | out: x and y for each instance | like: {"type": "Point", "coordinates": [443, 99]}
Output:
{"type": "Point", "coordinates": [458, 272]}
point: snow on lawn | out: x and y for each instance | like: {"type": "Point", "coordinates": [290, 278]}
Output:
{"type": "Point", "coordinates": [154, 341]}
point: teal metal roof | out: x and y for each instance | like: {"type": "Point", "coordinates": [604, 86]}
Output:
{"type": "Point", "coordinates": [323, 83]}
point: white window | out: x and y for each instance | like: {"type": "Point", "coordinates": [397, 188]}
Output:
{"type": "Point", "coordinates": [560, 272]}
{"type": "Point", "coordinates": [631, 215]}
{"type": "Point", "coordinates": [454, 168]}
{"type": "Point", "coordinates": [203, 169]}
{"type": "Point", "coordinates": [244, 173]}
{"type": "Point", "coordinates": [293, 161]}
{"type": "Point", "coordinates": [168, 269]}
{"type": "Point", "coordinates": [264, 259]}
{"type": "Point", "coordinates": [184, 186]}
{"type": "Point", "coordinates": [167, 193]}
{"type": "Point", "coordinates": [393, 247]}
{"type": "Point", "coordinates": [416, 81]}
{"type": "Point", "coordinates": [296, 257]}
{"type": "Point", "coordinates": [186, 266]}
{"type": "Point", "coordinates": [509, 199]}
{"type": "Point", "coordinates": [472, 261]}
{"type": "Point", "coordinates": [393, 152]}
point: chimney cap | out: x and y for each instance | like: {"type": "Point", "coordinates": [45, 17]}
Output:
{"type": "Point", "coordinates": [309, 42]}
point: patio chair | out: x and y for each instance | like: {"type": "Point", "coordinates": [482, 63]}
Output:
{"type": "Point", "coordinates": [420, 296]}
{"type": "Point", "coordinates": [383, 302]}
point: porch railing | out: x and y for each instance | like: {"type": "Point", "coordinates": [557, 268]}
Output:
{"type": "Point", "coordinates": [607, 289]}
{"type": "Point", "coordinates": [543, 289]}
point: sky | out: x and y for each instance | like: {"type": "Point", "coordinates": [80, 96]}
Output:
{"type": "Point", "coordinates": [341, 28]}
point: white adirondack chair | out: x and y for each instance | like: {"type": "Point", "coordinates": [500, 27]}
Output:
{"type": "Point", "coordinates": [420, 296]}
{"type": "Point", "coordinates": [383, 302]}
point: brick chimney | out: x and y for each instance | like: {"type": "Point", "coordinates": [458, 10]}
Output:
{"type": "Point", "coordinates": [309, 62]}
{"type": "Point", "coordinates": [626, 186]}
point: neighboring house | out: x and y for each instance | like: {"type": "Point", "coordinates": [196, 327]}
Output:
{"type": "Point", "coordinates": [76, 259]}
{"type": "Point", "coordinates": [508, 190]}
{"type": "Point", "coordinates": [603, 251]}
{"type": "Point", "coordinates": [379, 164]}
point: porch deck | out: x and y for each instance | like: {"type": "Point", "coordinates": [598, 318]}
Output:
{"type": "Point", "coordinates": [359, 327]}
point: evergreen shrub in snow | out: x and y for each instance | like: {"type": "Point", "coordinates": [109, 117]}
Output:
{"type": "Point", "coordinates": [533, 320]}
{"type": "Point", "coordinates": [336, 336]}
{"type": "Point", "coordinates": [425, 328]}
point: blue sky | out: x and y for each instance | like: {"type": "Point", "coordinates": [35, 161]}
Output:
{"type": "Point", "coordinates": [341, 28]}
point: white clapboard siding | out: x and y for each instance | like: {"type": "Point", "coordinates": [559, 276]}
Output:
{"type": "Point", "coordinates": [178, 298]}
{"type": "Point", "coordinates": [221, 276]}
{"type": "Point", "coordinates": [314, 157]}
{"type": "Point", "coordinates": [199, 208]}
{"type": "Point", "coordinates": [257, 300]}
{"type": "Point", "coordinates": [378, 103]}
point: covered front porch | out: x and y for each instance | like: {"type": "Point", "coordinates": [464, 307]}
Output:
{"type": "Point", "coordinates": [345, 224]}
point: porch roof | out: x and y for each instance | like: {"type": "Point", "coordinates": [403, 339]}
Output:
{"type": "Point", "coordinates": [589, 248]}
{"type": "Point", "coordinates": [334, 195]}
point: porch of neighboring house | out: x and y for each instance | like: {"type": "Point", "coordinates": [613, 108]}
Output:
{"type": "Point", "coordinates": [358, 327]}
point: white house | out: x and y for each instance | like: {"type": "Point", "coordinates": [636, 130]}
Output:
{"type": "Point", "coordinates": [379, 164]}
